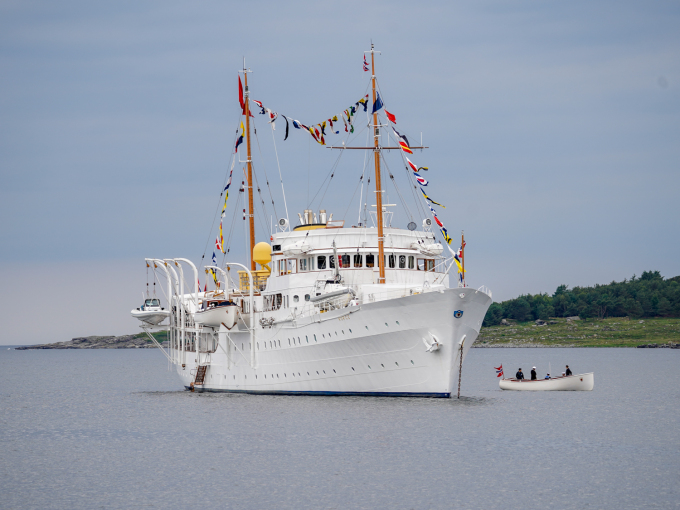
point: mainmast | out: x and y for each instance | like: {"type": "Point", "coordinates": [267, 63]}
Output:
{"type": "Point", "coordinates": [378, 183]}
{"type": "Point", "coordinates": [249, 163]}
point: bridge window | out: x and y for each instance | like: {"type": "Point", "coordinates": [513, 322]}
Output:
{"type": "Point", "coordinates": [331, 261]}
{"type": "Point", "coordinates": [357, 260]}
{"type": "Point", "coordinates": [321, 262]}
{"type": "Point", "coordinates": [392, 260]}
{"type": "Point", "coordinates": [344, 261]}
{"type": "Point", "coordinates": [370, 260]}
{"type": "Point", "coordinates": [402, 261]}
{"type": "Point", "coordinates": [411, 262]}
{"type": "Point", "coordinates": [296, 299]}
{"type": "Point", "coordinates": [303, 265]}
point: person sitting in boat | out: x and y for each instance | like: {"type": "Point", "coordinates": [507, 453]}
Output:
{"type": "Point", "coordinates": [568, 371]}
{"type": "Point", "coordinates": [533, 373]}
{"type": "Point", "coordinates": [547, 376]}
{"type": "Point", "coordinates": [519, 375]}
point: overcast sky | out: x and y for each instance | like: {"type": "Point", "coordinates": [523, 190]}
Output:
{"type": "Point", "coordinates": [553, 127]}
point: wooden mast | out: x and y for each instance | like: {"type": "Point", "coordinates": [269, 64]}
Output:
{"type": "Point", "coordinates": [462, 253]}
{"type": "Point", "coordinates": [378, 183]}
{"type": "Point", "coordinates": [251, 216]}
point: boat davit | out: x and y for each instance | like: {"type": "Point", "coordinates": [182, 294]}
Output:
{"type": "Point", "coordinates": [580, 382]}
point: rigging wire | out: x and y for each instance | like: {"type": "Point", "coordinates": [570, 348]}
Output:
{"type": "Point", "coordinates": [259, 149]}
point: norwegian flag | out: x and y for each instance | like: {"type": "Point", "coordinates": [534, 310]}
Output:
{"type": "Point", "coordinates": [218, 245]}
{"type": "Point", "coordinates": [365, 64]}
{"type": "Point", "coordinates": [499, 371]}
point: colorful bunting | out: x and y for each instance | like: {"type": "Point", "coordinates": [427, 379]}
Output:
{"type": "Point", "coordinates": [391, 117]}
{"type": "Point", "coordinates": [239, 141]}
{"type": "Point", "coordinates": [378, 104]}
{"type": "Point", "coordinates": [365, 64]}
{"type": "Point", "coordinates": [413, 167]}
{"type": "Point", "coordinates": [421, 181]}
{"type": "Point", "coordinates": [430, 200]}
{"type": "Point", "coordinates": [240, 97]}
{"type": "Point", "coordinates": [226, 192]}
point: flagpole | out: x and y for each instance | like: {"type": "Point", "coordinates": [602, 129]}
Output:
{"type": "Point", "coordinates": [378, 183]}
{"type": "Point", "coordinates": [462, 253]}
{"type": "Point", "coordinates": [251, 216]}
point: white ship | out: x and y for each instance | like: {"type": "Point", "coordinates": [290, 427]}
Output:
{"type": "Point", "coordinates": [331, 309]}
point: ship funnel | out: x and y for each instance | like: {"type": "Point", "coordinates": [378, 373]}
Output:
{"type": "Point", "coordinates": [309, 216]}
{"type": "Point", "coordinates": [322, 216]}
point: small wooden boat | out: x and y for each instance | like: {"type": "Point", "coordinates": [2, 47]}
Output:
{"type": "Point", "coordinates": [579, 382]}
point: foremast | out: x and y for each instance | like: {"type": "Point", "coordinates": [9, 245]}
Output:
{"type": "Point", "coordinates": [378, 182]}
{"type": "Point", "coordinates": [249, 164]}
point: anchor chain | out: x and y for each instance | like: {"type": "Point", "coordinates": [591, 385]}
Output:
{"type": "Point", "coordinates": [460, 367]}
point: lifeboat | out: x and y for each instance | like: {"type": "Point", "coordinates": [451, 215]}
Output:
{"type": "Point", "coordinates": [580, 382]}
{"type": "Point", "coordinates": [217, 311]}
{"type": "Point", "coordinates": [151, 312]}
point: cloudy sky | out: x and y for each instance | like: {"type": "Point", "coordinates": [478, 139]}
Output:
{"type": "Point", "coordinates": [553, 127]}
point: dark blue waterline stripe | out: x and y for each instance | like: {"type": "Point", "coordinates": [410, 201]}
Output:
{"type": "Point", "coordinates": [326, 393]}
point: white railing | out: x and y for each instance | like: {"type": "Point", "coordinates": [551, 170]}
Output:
{"type": "Point", "coordinates": [486, 290]}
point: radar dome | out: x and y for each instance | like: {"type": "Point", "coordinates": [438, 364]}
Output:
{"type": "Point", "coordinates": [262, 253]}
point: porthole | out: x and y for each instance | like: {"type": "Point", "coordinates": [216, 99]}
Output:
{"type": "Point", "coordinates": [258, 346]}
{"type": "Point", "coordinates": [323, 335]}
{"type": "Point", "coordinates": [396, 363]}
{"type": "Point", "coordinates": [307, 338]}
{"type": "Point", "coordinates": [277, 376]}
{"type": "Point", "coordinates": [315, 338]}
{"type": "Point", "coordinates": [284, 375]}
{"type": "Point", "coordinates": [234, 377]}
{"type": "Point", "coordinates": [256, 377]}
{"type": "Point", "coordinates": [369, 367]}
{"type": "Point", "coordinates": [298, 374]}
{"type": "Point", "coordinates": [296, 299]}
{"type": "Point", "coordinates": [350, 330]}
{"type": "Point", "coordinates": [225, 376]}
{"type": "Point", "coordinates": [343, 331]}
{"type": "Point", "coordinates": [366, 327]}
{"type": "Point", "coordinates": [386, 325]}
{"type": "Point", "coordinates": [324, 371]}
{"type": "Point", "coordinates": [317, 373]}
{"type": "Point", "coordinates": [307, 297]}
{"type": "Point", "coordinates": [289, 341]}
{"type": "Point", "coordinates": [382, 365]}
{"type": "Point", "coordinates": [353, 369]}
{"type": "Point", "coordinates": [334, 371]}
{"type": "Point", "coordinates": [265, 376]}
{"type": "Point", "coordinates": [245, 377]}
{"type": "Point", "coordinates": [279, 343]}
{"type": "Point", "coordinates": [307, 373]}
{"type": "Point", "coordinates": [397, 323]}
{"type": "Point", "coordinates": [412, 363]}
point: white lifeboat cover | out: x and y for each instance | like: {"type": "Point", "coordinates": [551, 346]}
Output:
{"type": "Point", "coordinates": [296, 248]}
{"type": "Point", "coordinates": [428, 249]}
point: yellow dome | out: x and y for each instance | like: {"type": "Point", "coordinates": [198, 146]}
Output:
{"type": "Point", "coordinates": [262, 253]}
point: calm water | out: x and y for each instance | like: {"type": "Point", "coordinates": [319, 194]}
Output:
{"type": "Point", "coordinates": [113, 429]}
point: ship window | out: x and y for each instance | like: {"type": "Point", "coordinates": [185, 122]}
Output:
{"type": "Point", "coordinates": [402, 261]}
{"type": "Point", "coordinates": [396, 363]}
{"type": "Point", "coordinates": [279, 343]}
{"type": "Point", "coordinates": [369, 367]}
{"type": "Point", "coordinates": [344, 261]}
{"type": "Point", "coordinates": [258, 346]}
{"type": "Point", "coordinates": [334, 371]}
{"type": "Point", "coordinates": [397, 323]}
{"type": "Point", "coordinates": [382, 365]}
{"type": "Point", "coordinates": [343, 331]}
{"type": "Point", "coordinates": [292, 266]}
{"type": "Point", "coordinates": [317, 373]}
{"type": "Point", "coordinates": [370, 260]}
{"type": "Point", "coordinates": [331, 261]}
{"type": "Point", "coordinates": [387, 325]}
{"type": "Point", "coordinates": [307, 297]}
{"type": "Point", "coordinates": [350, 330]}
{"type": "Point", "coordinates": [429, 264]}
{"type": "Point", "coordinates": [353, 369]}
{"type": "Point", "coordinates": [282, 267]}
{"type": "Point", "coordinates": [411, 264]}
{"type": "Point", "coordinates": [307, 373]}
{"type": "Point", "coordinates": [412, 363]}
{"type": "Point", "coordinates": [289, 341]}
{"type": "Point", "coordinates": [311, 263]}
{"type": "Point", "coordinates": [324, 371]}
{"type": "Point", "coordinates": [357, 260]}
{"type": "Point", "coordinates": [296, 299]}
{"type": "Point", "coordinates": [303, 264]}
{"type": "Point", "coordinates": [321, 261]}
{"type": "Point", "coordinates": [366, 327]}
{"type": "Point", "coordinates": [392, 260]}
{"type": "Point", "coordinates": [315, 338]}
{"type": "Point", "coordinates": [421, 264]}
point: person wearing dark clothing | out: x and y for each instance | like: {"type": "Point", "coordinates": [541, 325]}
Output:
{"type": "Point", "coordinates": [533, 374]}
{"type": "Point", "coordinates": [519, 375]}
{"type": "Point", "coordinates": [547, 376]}
{"type": "Point", "coordinates": [568, 371]}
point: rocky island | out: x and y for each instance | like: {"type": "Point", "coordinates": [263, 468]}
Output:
{"type": "Point", "coordinates": [137, 341]}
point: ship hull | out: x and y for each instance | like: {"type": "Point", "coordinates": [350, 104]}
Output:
{"type": "Point", "coordinates": [375, 349]}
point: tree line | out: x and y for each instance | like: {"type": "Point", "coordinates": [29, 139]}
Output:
{"type": "Point", "coordinates": [650, 295]}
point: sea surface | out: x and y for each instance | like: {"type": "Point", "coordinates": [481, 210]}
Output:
{"type": "Point", "coordinates": [114, 429]}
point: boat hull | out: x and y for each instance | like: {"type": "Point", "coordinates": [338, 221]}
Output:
{"type": "Point", "coordinates": [579, 382]}
{"type": "Point", "coordinates": [152, 317]}
{"type": "Point", "coordinates": [375, 349]}
{"type": "Point", "coordinates": [214, 317]}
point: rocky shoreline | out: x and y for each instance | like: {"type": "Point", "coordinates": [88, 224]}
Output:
{"type": "Point", "coordinates": [98, 342]}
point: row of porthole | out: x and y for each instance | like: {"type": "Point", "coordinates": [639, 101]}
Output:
{"type": "Point", "coordinates": [317, 372]}
{"type": "Point", "coordinates": [273, 343]}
